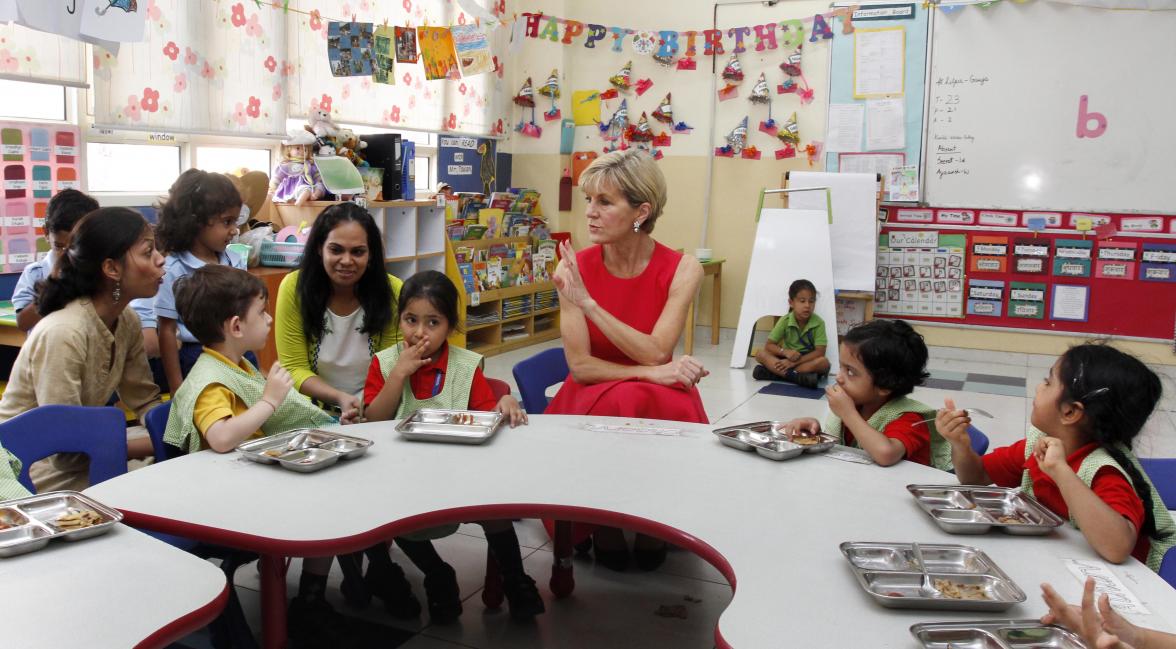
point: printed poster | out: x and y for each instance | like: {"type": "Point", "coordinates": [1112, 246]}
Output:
{"type": "Point", "coordinates": [349, 49]}
{"type": "Point", "coordinates": [406, 45]}
{"type": "Point", "coordinates": [473, 50]}
{"type": "Point", "coordinates": [437, 54]}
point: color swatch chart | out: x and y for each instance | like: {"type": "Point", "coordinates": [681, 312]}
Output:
{"type": "Point", "coordinates": [38, 161]}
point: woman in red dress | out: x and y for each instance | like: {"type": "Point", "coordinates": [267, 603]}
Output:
{"type": "Point", "coordinates": [624, 302]}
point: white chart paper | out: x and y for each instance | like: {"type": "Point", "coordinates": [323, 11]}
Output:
{"type": "Point", "coordinates": [885, 124]}
{"type": "Point", "coordinates": [845, 128]}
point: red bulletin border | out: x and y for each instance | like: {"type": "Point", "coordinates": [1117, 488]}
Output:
{"type": "Point", "coordinates": [1117, 307]}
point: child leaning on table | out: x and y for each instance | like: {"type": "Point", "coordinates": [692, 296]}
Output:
{"type": "Point", "coordinates": [1076, 458]}
{"type": "Point", "coordinates": [424, 371]}
{"type": "Point", "coordinates": [869, 408]}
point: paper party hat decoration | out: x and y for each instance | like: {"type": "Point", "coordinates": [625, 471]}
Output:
{"type": "Point", "coordinates": [733, 71]}
{"type": "Point", "coordinates": [791, 65]}
{"type": "Point", "coordinates": [551, 87]}
{"type": "Point", "coordinates": [664, 60]}
{"type": "Point", "coordinates": [526, 94]}
{"type": "Point", "coordinates": [618, 123]}
{"type": "Point", "coordinates": [737, 138]}
{"type": "Point", "coordinates": [665, 111]}
{"type": "Point", "coordinates": [760, 94]}
{"type": "Point", "coordinates": [623, 79]}
{"type": "Point", "coordinates": [790, 131]}
{"type": "Point", "coordinates": [640, 132]}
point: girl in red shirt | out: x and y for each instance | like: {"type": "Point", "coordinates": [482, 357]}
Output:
{"type": "Point", "coordinates": [1076, 458]}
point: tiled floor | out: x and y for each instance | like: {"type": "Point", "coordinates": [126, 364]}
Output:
{"type": "Point", "coordinates": [611, 609]}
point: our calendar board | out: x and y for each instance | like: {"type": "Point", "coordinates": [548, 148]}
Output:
{"type": "Point", "coordinates": [38, 161]}
{"type": "Point", "coordinates": [921, 275]}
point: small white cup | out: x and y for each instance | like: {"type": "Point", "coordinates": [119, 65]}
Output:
{"type": "Point", "coordinates": [704, 254]}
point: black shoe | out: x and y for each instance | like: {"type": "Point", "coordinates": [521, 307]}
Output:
{"type": "Point", "coordinates": [761, 373]}
{"type": "Point", "coordinates": [650, 558]}
{"type": "Point", "coordinates": [390, 585]}
{"type": "Point", "coordinates": [355, 592]}
{"type": "Point", "coordinates": [523, 597]}
{"type": "Point", "coordinates": [807, 379]}
{"type": "Point", "coordinates": [443, 594]}
{"type": "Point", "coordinates": [314, 623]}
{"type": "Point", "coordinates": [583, 547]}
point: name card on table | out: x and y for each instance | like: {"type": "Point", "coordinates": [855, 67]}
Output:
{"type": "Point", "coordinates": [1106, 582]}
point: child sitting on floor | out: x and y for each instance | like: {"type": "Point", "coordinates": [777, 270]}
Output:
{"type": "Point", "coordinates": [1076, 458]}
{"type": "Point", "coordinates": [425, 371]}
{"type": "Point", "coordinates": [795, 350]}
{"type": "Point", "coordinates": [881, 363]}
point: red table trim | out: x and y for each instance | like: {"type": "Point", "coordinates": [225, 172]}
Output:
{"type": "Point", "coordinates": [186, 624]}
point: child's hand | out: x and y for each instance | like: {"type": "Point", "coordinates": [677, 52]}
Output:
{"type": "Point", "coordinates": [953, 424]}
{"type": "Point", "coordinates": [1109, 632]}
{"type": "Point", "coordinates": [792, 355]}
{"type": "Point", "coordinates": [1051, 456]}
{"type": "Point", "coordinates": [510, 407]}
{"type": "Point", "coordinates": [839, 401]}
{"type": "Point", "coordinates": [806, 426]}
{"type": "Point", "coordinates": [781, 366]}
{"type": "Point", "coordinates": [412, 359]}
{"type": "Point", "coordinates": [349, 416]}
{"type": "Point", "coordinates": [277, 385]}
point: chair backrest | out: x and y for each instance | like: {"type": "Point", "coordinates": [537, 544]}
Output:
{"type": "Point", "coordinates": [501, 388]}
{"type": "Point", "coordinates": [979, 440]}
{"type": "Point", "coordinates": [1162, 472]}
{"type": "Point", "coordinates": [99, 432]}
{"type": "Point", "coordinates": [537, 373]}
{"type": "Point", "coordinates": [156, 423]}
{"type": "Point", "coordinates": [1168, 567]}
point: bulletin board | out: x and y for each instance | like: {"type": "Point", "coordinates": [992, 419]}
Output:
{"type": "Point", "coordinates": [461, 165]}
{"type": "Point", "coordinates": [38, 161]}
{"type": "Point", "coordinates": [841, 81]}
{"type": "Point", "coordinates": [1129, 279]}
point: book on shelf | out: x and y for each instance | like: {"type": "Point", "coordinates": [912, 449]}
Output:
{"type": "Point", "coordinates": [494, 273]}
{"type": "Point", "coordinates": [481, 277]}
{"type": "Point", "coordinates": [502, 200]}
{"type": "Point", "coordinates": [467, 276]}
{"type": "Point", "coordinates": [526, 202]}
{"type": "Point", "coordinates": [474, 232]}
{"type": "Point", "coordinates": [455, 231]}
{"type": "Point", "coordinates": [493, 219]}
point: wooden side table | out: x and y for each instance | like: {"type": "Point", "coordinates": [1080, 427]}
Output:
{"type": "Point", "coordinates": [272, 277]}
{"type": "Point", "coordinates": [713, 268]}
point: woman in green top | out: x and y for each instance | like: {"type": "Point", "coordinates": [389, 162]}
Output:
{"type": "Point", "coordinates": [795, 350]}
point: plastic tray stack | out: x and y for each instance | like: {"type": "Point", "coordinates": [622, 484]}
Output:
{"type": "Point", "coordinates": [452, 426]}
{"type": "Point", "coordinates": [964, 509]}
{"type": "Point", "coordinates": [892, 574]}
{"type": "Point", "coordinates": [995, 634]}
{"type": "Point", "coordinates": [29, 524]}
{"type": "Point", "coordinates": [304, 451]}
{"type": "Point", "coordinates": [768, 439]}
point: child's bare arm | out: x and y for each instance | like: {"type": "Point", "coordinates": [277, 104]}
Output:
{"type": "Point", "coordinates": [1107, 531]}
{"type": "Point", "coordinates": [224, 435]}
{"type": "Point", "coordinates": [169, 352]}
{"type": "Point", "coordinates": [882, 449]}
{"type": "Point", "coordinates": [387, 402]}
{"type": "Point", "coordinates": [953, 424]}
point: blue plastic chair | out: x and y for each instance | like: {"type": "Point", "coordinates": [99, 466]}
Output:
{"type": "Point", "coordinates": [537, 373]}
{"type": "Point", "coordinates": [1162, 472]}
{"type": "Point", "coordinates": [99, 432]}
{"type": "Point", "coordinates": [979, 440]}
{"type": "Point", "coordinates": [156, 423]}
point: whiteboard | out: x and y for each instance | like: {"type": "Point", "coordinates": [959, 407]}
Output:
{"type": "Point", "coordinates": [789, 245]}
{"type": "Point", "coordinates": [1004, 95]}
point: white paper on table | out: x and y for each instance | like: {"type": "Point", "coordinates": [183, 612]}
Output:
{"type": "Point", "coordinates": [1122, 599]}
{"type": "Point", "coordinates": [845, 128]}
{"type": "Point", "coordinates": [878, 59]}
{"type": "Point", "coordinates": [634, 430]}
{"type": "Point", "coordinates": [847, 454]}
{"type": "Point", "coordinates": [1069, 302]}
{"type": "Point", "coordinates": [885, 125]}
{"type": "Point", "coordinates": [113, 24]}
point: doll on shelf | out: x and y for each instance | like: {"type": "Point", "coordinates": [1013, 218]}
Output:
{"type": "Point", "coordinates": [296, 179]}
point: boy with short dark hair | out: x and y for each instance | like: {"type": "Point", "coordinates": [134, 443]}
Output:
{"type": "Point", "coordinates": [869, 408]}
{"type": "Point", "coordinates": [64, 211]}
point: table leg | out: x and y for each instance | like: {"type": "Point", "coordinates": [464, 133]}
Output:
{"type": "Point", "coordinates": [716, 302]}
{"type": "Point", "coordinates": [563, 581]}
{"type": "Point", "coordinates": [689, 346]}
{"type": "Point", "coordinates": [273, 601]}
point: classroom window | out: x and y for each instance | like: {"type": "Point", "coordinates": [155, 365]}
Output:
{"type": "Point", "coordinates": [24, 100]}
{"type": "Point", "coordinates": [424, 174]}
{"type": "Point", "coordinates": [225, 159]}
{"type": "Point", "coordinates": [144, 168]}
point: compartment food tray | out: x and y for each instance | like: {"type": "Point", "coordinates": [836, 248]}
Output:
{"type": "Point", "coordinates": [28, 524]}
{"type": "Point", "coordinates": [768, 439]}
{"type": "Point", "coordinates": [304, 450]}
{"type": "Point", "coordinates": [995, 634]}
{"type": "Point", "coordinates": [968, 509]}
{"type": "Point", "coordinates": [452, 426]}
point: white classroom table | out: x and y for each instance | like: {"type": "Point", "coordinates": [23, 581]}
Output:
{"type": "Point", "coordinates": [771, 528]}
{"type": "Point", "coordinates": [122, 589]}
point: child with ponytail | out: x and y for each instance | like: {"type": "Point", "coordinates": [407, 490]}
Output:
{"type": "Point", "coordinates": [1076, 458]}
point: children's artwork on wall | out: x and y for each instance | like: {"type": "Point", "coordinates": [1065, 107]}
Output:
{"type": "Point", "coordinates": [437, 53]}
{"type": "Point", "coordinates": [586, 107]}
{"type": "Point", "coordinates": [349, 49]}
{"type": "Point", "coordinates": [384, 60]}
{"type": "Point", "coordinates": [472, 49]}
{"type": "Point", "coordinates": [33, 172]}
{"type": "Point", "coordinates": [406, 45]}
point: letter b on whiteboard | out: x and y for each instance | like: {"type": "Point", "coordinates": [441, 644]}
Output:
{"type": "Point", "coordinates": [1085, 117]}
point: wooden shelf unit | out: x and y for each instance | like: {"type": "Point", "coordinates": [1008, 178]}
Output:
{"type": "Point", "coordinates": [486, 338]}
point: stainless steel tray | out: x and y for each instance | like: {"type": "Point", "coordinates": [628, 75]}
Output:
{"type": "Point", "coordinates": [290, 449]}
{"type": "Point", "coordinates": [769, 440]}
{"type": "Point", "coordinates": [892, 574]}
{"type": "Point", "coordinates": [453, 426]}
{"type": "Point", "coordinates": [995, 634]}
{"type": "Point", "coordinates": [966, 509]}
{"type": "Point", "coordinates": [31, 522]}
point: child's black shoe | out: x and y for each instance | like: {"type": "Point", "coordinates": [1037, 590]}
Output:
{"type": "Point", "coordinates": [523, 597]}
{"type": "Point", "coordinates": [387, 582]}
{"type": "Point", "coordinates": [443, 594]}
{"type": "Point", "coordinates": [761, 373]}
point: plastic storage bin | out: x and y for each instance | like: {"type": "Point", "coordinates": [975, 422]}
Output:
{"type": "Point", "coordinates": [281, 254]}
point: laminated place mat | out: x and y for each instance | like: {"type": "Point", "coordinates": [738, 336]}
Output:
{"type": "Point", "coordinates": [782, 389]}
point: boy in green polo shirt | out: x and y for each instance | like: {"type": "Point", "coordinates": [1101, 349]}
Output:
{"type": "Point", "coordinates": [795, 351]}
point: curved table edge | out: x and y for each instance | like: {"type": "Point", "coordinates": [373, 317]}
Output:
{"type": "Point", "coordinates": [186, 624]}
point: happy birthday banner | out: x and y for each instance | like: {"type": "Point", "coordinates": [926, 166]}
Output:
{"type": "Point", "coordinates": [664, 45]}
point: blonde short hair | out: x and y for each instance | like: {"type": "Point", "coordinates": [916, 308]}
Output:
{"type": "Point", "coordinates": [635, 174]}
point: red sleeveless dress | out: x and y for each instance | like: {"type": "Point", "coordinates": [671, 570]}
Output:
{"type": "Point", "coordinates": [638, 302]}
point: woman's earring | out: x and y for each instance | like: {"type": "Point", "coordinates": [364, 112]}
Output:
{"type": "Point", "coordinates": [636, 226]}
{"type": "Point", "coordinates": [117, 293]}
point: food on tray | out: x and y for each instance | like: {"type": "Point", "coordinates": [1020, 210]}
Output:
{"type": "Point", "coordinates": [462, 419]}
{"type": "Point", "coordinates": [306, 460]}
{"type": "Point", "coordinates": [76, 519]}
{"type": "Point", "coordinates": [804, 439]}
{"type": "Point", "coordinates": [272, 452]}
{"type": "Point", "coordinates": [956, 590]}
{"type": "Point", "coordinates": [1011, 519]}
{"type": "Point", "coordinates": [5, 526]}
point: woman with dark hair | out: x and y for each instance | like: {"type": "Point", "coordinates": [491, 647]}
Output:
{"type": "Point", "coordinates": [88, 344]}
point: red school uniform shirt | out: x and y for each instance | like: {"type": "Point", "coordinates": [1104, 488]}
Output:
{"type": "Point", "coordinates": [1006, 466]}
{"type": "Point", "coordinates": [430, 380]}
{"type": "Point", "coordinates": [910, 431]}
